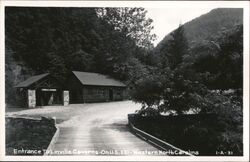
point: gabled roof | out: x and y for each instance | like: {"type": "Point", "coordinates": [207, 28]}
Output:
{"type": "Point", "coordinates": [96, 79]}
{"type": "Point", "coordinates": [31, 80]}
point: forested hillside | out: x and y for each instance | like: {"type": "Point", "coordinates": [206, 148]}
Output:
{"type": "Point", "coordinates": [209, 25]}
{"type": "Point", "coordinates": [111, 41]}
{"type": "Point", "coordinates": [199, 70]}
{"type": "Point", "coordinates": [214, 47]}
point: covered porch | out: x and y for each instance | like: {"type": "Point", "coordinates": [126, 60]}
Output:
{"type": "Point", "coordinates": [43, 90]}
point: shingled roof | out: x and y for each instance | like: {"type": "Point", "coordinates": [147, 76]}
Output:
{"type": "Point", "coordinates": [87, 78]}
{"type": "Point", "coordinates": [31, 80]}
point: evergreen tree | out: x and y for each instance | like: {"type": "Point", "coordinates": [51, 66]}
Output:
{"type": "Point", "coordinates": [178, 47]}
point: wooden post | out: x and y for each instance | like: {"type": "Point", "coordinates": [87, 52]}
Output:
{"type": "Point", "coordinates": [65, 98]}
{"type": "Point", "coordinates": [31, 98]}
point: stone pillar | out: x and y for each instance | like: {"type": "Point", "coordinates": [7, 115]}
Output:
{"type": "Point", "coordinates": [31, 98]}
{"type": "Point", "coordinates": [65, 98]}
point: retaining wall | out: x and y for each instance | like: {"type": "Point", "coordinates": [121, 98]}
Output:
{"type": "Point", "coordinates": [28, 136]}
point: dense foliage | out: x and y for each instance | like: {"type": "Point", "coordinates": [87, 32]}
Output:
{"type": "Point", "coordinates": [221, 59]}
{"type": "Point", "coordinates": [204, 77]}
{"type": "Point", "coordinates": [186, 74]}
{"type": "Point", "coordinates": [111, 41]}
{"type": "Point", "coordinates": [132, 22]}
{"type": "Point", "coordinates": [199, 134]}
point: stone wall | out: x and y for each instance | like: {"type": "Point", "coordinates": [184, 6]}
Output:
{"type": "Point", "coordinates": [65, 98]}
{"type": "Point", "coordinates": [28, 136]}
{"type": "Point", "coordinates": [31, 98]}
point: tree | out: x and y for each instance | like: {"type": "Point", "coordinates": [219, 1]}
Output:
{"type": "Point", "coordinates": [56, 66]}
{"type": "Point", "coordinates": [177, 47]}
{"type": "Point", "coordinates": [230, 59]}
{"type": "Point", "coordinates": [173, 83]}
{"type": "Point", "coordinates": [220, 61]}
{"type": "Point", "coordinates": [129, 37]}
{"type": "Point", "coordinates": [60, 40]}
{"type": "Point", "coordinates": [132, 22]}
{"type": "Point", "coordinates": [181, 91]}
{"type": "Point", "coordinates": [148, 91]}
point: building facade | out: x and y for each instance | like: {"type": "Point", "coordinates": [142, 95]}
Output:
{"type": "Point", "coordinates": [80, 87]}
{"type": "Point", "coordinates": [42, 90]}
{"type": "Point", "coordinates": [94, 87]}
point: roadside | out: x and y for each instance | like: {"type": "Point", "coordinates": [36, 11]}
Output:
{"type": "Point", "coordinates": [93, 129]}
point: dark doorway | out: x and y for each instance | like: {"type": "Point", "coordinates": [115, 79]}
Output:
{"type": "Point", "coordinates": [110, 94]}
{"type": "Point", "coordinates": [46, 97]}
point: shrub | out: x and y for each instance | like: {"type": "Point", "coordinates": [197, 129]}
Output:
{"type": "Point", "coordinates": [148, 112]}
{"type": "Point", "coordinates": [148, 91]}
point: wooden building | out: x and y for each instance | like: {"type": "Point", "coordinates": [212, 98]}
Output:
{"type": "Point", "coordinates": [94, 87]}
{"type": "Point", "coordinates": [42, 90]}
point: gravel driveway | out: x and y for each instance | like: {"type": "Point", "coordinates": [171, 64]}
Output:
{"type": "Point", "coordinates": [93, 129]}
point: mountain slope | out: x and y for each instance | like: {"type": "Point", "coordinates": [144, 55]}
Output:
{"type": "Point", "coordinates": [208, 25]}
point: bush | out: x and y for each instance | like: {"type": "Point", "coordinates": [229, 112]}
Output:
{"type": "Point", "coordinates": [148, 112]}
{"type": "Point", "coordinates": [148, 91]}
{"type": "Point", "coordinates": [196, 132]}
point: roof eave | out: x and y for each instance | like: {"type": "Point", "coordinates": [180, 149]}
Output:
{"type": "Point", "coordinates": [104, 85]}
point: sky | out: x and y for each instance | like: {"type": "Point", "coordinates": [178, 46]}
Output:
{"type": "Point", "coordinates": [166, 20]}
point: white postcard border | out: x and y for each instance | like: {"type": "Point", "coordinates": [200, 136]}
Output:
{"type": "Point", "coordinates": [148, 4]}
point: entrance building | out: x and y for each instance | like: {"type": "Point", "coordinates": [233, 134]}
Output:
{"type": "Point", "coordinates": [43, 90]}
